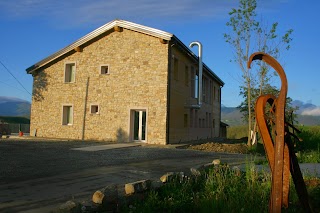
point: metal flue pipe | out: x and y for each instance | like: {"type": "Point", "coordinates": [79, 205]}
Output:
{"type": "Point", "coordinates": [200, 69]}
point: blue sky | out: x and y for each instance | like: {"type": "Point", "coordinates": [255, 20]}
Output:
{"type": "Point", "coordinates": [34, 29]}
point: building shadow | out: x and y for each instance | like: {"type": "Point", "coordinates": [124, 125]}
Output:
{"type": "Point", "coordinates": [40, 83]}
{"type": "Point", "coordinates": [122, 136]}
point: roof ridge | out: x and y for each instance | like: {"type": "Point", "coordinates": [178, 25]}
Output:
{"type": "Point", "coordinates": [100, 30]}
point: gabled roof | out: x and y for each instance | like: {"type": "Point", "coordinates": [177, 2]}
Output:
{"type": "Point", "coordinates": [110, 25]}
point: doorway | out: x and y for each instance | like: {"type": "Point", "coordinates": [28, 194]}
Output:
{"type": "Point", "coordinates": [138, 125]}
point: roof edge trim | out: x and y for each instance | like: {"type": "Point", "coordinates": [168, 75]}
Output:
{"type": "Point", "coordinates": [121, 23]}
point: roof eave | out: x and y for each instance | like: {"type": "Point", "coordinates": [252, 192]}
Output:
{"type": "Point", "coordinates": [121, 23]}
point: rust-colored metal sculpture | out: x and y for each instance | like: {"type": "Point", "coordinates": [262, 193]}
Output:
{"type": "Point", "coordinates": [278, 143]}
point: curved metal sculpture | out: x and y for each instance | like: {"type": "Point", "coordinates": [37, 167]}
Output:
{"type": "Point", "coordinates": [278, 143]}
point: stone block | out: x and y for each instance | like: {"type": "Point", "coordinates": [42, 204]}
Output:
{"type": "Point", "coordinates": [137, 187]}
{"type": "Point", "coordinates": [106, 198]}
{"type": "Point", "coordinates": [156, 184]}
{"type": "Point", "coordinates": [98, 197]}
{"type": "Point", "coordinates": [195, 171]}
{"type": "Point", "coordinates": [216, 162]}
{"type": "Point", "coordinates": [171, 176]}
{"type": "Point", "coordinates": [69, 206]}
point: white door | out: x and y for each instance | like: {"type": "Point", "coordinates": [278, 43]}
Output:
{"type": "Point", "coordinates": [139, 125]}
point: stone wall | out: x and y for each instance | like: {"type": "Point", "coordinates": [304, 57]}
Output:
{"type": "Point", "coordinates": [185, 125]}
{"type": "Point", "coordinates": [137, 79]}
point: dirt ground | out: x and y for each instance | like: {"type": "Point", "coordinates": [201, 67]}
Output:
{"type": "Point", "coordinates": [228, 146]}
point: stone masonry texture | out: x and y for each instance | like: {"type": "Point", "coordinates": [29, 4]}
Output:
{"type": "Point", "coordinates": [137, 79]}
{"type": "Point", "coordinates": [141, 77]}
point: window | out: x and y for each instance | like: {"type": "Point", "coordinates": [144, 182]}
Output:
{"type": "Point", "coordinates": [185, 120]}
{"type": "Point", "coordinates": [196, 88]}
{"type": "Point", "coordinates": [104, 69]}
{"type": "Point", "coordinates": [176, 69]}
{"type": "Point", "coordinates": [204, 89]}
{"type": "Point", "coordinates": [191, 117]}
{"type": "Point", "coordinates": [210, 93]}
{"type": "Point", "coordinates": [67, 115]}
{"type": "Point", "coordinates": [196, 118]}
{"type": "Point", "coordinates": [186, 76]}
{"type": "Point", "coordinates": [214, 93]}
{"type": "Point", "coordinates": [94, 109]}
{"type": "Point", "coordinates": [192, 82]}
{"type": "Point", "coordinates": [206, 122]}
{"type": "Point", "coordinates": [69, 72]}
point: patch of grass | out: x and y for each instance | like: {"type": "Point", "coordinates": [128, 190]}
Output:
{"type": "Point", "coordinates": [309, 149]}
{"type": "Point", "coordinates": [309, 156]}
{"type": "Point", "coordinates": [237, 132]}
{"type": "Point", "coordinates": [221, 189]}
{"type": "Point", "coordinates": [15, 119]}
{"type": "Point", "coordinates": [310, 136]}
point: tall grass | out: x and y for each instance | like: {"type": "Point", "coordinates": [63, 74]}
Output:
{"type": "Point", "coordinates": [310, 136]}
{"type": "Point", "coordinates": [309, 149]}
{"type": "Point", "coordinates": [221, 189]}
{"type": "Point", "coordinates": [237, 132]}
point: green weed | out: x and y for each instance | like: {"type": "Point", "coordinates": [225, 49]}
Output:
{"type": "Point", "coordinates": [237, 132]}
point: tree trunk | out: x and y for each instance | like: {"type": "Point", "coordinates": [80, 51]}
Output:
{"type": "Point", "coordinates": [249, 114]}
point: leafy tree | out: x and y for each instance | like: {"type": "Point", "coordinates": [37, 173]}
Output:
{"type": "Point", "coordinates": [248, 35]}
{"type": "Point", "coordinates": [268, 89]}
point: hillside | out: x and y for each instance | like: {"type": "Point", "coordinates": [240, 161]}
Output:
{"type": "Point", "coordinates": [10, 106]}
{"type": "Point", "coordinates": [307, 115]}
{"type": "Point", "coordinates": [231, 116]}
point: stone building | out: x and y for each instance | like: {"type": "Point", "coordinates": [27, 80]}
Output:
{"type": "Point", "coordinates": [124, 82]}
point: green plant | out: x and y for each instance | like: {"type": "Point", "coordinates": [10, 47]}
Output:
{"type": "Point", "coordinates": [221, 189]}
{"type": "Point", "coordinates": [309, 156]}
{"type": "Point", "coordinates": [309, 148]}
{"type": "Point", "coordinates": [237, 132]}
{"type": "Point", "coordinates": [310, 136]}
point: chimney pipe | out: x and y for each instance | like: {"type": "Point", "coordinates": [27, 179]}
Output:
{"type": "Point", "coordinates": [200, 70]}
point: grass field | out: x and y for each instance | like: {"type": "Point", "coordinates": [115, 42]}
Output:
{"type": "Point", "coordinates": [308, 150]}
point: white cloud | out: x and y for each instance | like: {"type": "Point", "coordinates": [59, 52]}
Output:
{"type": "Point", "coordinates": [75, 13]}
{"type": "Point", "coordinates": [82, 12]}
{"type": "Point", "coordinates": [313, 112]}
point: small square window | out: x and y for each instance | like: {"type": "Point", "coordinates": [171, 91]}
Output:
{"type": "Point", "coordinates": [104, 69]}
{"type": "Point", "coordinates": [94, 109]}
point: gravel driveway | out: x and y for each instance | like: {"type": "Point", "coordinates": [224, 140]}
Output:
{"type": "Point", "coordinates": [41, 174]}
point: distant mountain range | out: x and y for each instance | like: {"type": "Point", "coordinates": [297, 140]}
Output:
{"type": "Point", "coordinates": [308, 114]}
{"type": "Point", "coordinates": [10, 106]}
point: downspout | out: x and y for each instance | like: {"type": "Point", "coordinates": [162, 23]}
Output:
{"type": "Point", "coordinates": [85, 110]}
{"type": "Point", "coordinates": [169, 91]}
{"type": "Point", "coordinates": [200, 70]}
